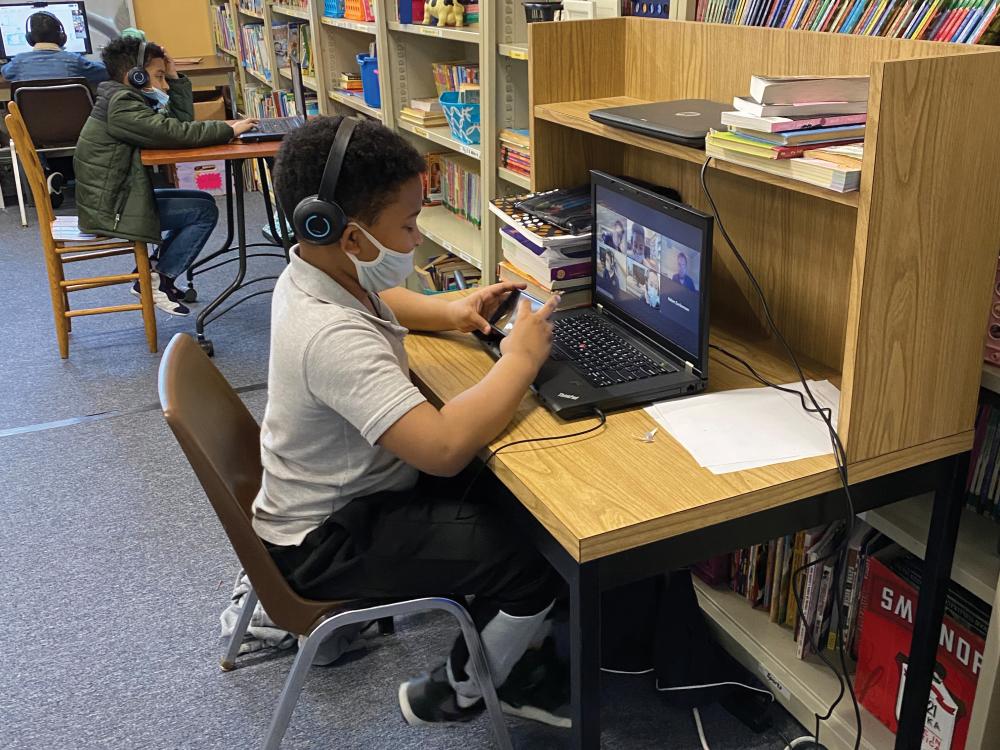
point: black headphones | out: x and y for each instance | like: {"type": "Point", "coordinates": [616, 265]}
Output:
{"type": "Point", "coordinates": [138, 77]}
{"type": "Point", "coordinates": [30, 37]}
{"type": "Point", "coordinates": [319, 219]}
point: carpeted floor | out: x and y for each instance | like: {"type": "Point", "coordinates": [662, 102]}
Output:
{"type": "Point", "coordinates": [115, 569]}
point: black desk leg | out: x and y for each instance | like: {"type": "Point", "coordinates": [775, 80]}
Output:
{"type": "Point", "coordinates": [227, 245]}
{"type": "Point", "coordinates": [241, 234]}
{"type": "Point", "coordinates": [585, 658]}
{"type": "Point", "coordinates": [948, 502]}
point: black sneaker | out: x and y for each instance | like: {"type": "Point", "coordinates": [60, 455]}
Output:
{"type": "Point", "coordinates": [165, 296]}
{"type": "Point", "coordinates": [538, 688]}
{"type": "Point", "coordinates": [430, 699]}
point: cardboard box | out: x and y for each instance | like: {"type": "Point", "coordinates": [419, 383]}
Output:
{"type": "Point", "coordinates": [209, 176]}
{"type": "Point", "coordinates": [213, 109]}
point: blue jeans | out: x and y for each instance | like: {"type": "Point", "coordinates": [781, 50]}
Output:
{"type": "Point", "coordinates": [187, 218]}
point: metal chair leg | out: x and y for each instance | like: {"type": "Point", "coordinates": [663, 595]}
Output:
{"type": "Point", "coordinates": [481, 672]}
{"type": "Point", "coordinates": [307, 652]}
{"type": "Point", "coordinates": [228, 662]}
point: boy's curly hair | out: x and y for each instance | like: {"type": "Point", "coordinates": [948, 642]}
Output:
{"type": "Point", "coordinates": [375, 166]}
{"type": "Point", "coordinates": [120, 56]}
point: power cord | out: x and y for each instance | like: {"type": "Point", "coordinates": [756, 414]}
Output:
{"type": "Point", "coordinates": [465, 495]}
{"type": "Point", "coordinates": [840, 457]}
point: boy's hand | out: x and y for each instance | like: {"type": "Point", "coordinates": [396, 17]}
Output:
{"type": "Point", "coordinates": [473, 312]}
{"type": "Point", "coordinates": [244, 126]}
{"type": "Point", "coordinates": [170, 65]}
{"type": "Point", "coordinates": [532, 334]}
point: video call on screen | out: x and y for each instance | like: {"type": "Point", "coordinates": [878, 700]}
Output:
{"type": "Point", "coordinates": [13, 20]}
{"type": "Point", "coordinates": [648, 266]}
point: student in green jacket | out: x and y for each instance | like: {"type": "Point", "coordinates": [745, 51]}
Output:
{"type": "Point", "coordinates": [114, 194]}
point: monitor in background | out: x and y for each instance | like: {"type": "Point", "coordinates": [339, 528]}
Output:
{"type": "Point", "coordinates": [14, 26]}
{"type": "Point", "coordinates": [298, 87]}
{"type": "Point", "coordinates": [653, 264]}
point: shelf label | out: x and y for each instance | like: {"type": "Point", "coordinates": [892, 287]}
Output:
{"type": "Point", "coordinates": [518, 54]}
{"type": "Point", "coordinates": [431, 31]}
{"type": "Point", "coordinates": [772, 681]}
{"type": "Point", "coordinates": [421, 132]}
{"type": "Point", "coordinates": [469, 151]}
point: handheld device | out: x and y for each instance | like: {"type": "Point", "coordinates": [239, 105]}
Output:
{"type": "Point", "coordinates": [15, 30]}
{"type": "Point", "coordinates": [506, 315]}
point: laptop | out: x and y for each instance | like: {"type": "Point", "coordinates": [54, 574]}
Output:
{"type": "Point", "coordinates": [644, 337]}
{"type": "Point", "coordinates": [685, 121]}
{"type": "Point", "coordinates": [276, 128]}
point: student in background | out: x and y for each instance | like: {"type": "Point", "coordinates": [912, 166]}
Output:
{"type": "Point", "coordinates": [681, 277]}
{"type": "Point", "coordinates": [366, 487]}
{"type": "Point", "coordinates": [47, 58]}
{"type": "Point", "coordinates": [609, 278]}
{"type": "Point", "coordinates": [114, 194]}
{"type": "Point", "coordinates": [653, 290]}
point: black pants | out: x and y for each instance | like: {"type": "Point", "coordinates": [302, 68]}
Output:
{"type": "Point", "coordinates": [424, 542]}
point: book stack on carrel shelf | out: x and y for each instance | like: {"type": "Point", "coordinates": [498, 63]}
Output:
{"type": "Point", "coordinates": [547, 258]}
{"type": "Point", "coordinates": [515, 150]}
{"type": "Point", "coordinates": [810, 129]}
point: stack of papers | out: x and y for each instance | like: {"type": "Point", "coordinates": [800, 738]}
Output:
{"type": "Point", "coordinates": [67, 229]}
{"type": "Point", "coordinates": [751, 427]}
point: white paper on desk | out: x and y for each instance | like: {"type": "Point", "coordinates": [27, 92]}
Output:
{"type": "Point", "coordinates": [750, 427]}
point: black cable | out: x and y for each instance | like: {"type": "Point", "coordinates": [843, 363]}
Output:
{"type": "Point", "coordinates": [597, 413]}
{"type": "Point", "coordinates": [840, 458]}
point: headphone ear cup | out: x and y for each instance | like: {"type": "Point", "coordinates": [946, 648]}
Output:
{"type": "Point", "coordinates": [138, 78]}
{"type": "Point", "coordinates": [62, 37]}
{"type": "Point", "coordinates": [30, 39]}
{"type": "Point", "coordinates": [318, 222]}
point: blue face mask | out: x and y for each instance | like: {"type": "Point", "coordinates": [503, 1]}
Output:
{"type": "Point", "coordinates": [160, 99]}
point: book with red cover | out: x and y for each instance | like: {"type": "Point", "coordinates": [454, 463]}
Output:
{"type": "Point", "coordinates": [888, 604]}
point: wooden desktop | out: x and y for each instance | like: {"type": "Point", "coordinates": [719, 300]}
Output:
{"type": "Point", "coordinates": [885, 292]}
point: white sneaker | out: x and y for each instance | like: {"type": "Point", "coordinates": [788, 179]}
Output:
{"type": "Point", "coordinates": [165, 296]}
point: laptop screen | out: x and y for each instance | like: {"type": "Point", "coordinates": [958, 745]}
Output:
{"type": "Point", "coordinates": [298, 89]}
{"type": "Point", "coordinates": [652, 265]}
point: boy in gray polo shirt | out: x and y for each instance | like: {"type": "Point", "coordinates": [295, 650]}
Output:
{"type": "Point", "coordinates": [362, 488]}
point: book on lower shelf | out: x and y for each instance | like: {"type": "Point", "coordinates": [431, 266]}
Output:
{"type": "Point", "coordinates": [446, 273]}
{"type": "Point", "coordinates": [515, 150]}
{"type": "Point", "coordinates": [888, 606]}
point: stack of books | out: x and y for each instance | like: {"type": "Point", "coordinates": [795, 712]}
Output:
{"type": "Point", "coordinates": [472, 14]}
{"type": "Point", "coordinates": [446, 273]}
{"type": "Point", "coordinates": [225, 28]}
{"type": "Point", "coordinates": [460, 187]}
{"type": "Point", "coordinates": [788, 126]}
{"type": "Point", "coordinates": [765, 574]}
{"type": "Point", "coordinates": [962, 21]}
{"type": "Point", "coordinates": [424, 112]}
{"type": "Point", "coordinates": [349, 83]}
{"type": "Point", "coordinates": [254, 6]}
{"type": "Point", "coordinates": [254, 50]}
{"type": "Point", "coordinates": [515, 150]}
{"type": "Point", "coordinates": [449, 76]}
{"type": "Point", "coordinates": [546, 258]}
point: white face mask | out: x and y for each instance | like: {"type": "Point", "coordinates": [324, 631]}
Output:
{"type": "Point", "coordinates": [159, 98]}
{"type": "Point", "coordinates": [388, 270]}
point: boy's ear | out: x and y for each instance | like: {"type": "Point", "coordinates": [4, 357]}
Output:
{"type": "Point", "coordinates": [350, 240]}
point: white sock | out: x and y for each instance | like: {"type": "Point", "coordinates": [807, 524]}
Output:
{"type": "Point", "coordinates": [505, 639]}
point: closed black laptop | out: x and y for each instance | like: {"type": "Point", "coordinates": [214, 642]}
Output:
{"type": "Point", "coordinates": [645, 336]}
{"type": "Point", "coordinates": [685, 121]}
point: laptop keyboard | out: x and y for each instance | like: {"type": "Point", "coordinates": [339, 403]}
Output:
{"type": "Point", "coordinates": [278, 125]}
{"type": "Point", "coordinates": [600, 353]}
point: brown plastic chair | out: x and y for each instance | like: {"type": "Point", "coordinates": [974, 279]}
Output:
{"type": "Point", "coordinates": [221, 440]}
{"type": "Point", "coordinates": [60, 252]}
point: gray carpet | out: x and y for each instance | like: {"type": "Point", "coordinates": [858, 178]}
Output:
{"type": "Point", "coordinates": [115, 568]}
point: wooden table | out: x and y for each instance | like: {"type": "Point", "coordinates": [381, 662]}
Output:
{"type": "Point", "coordinates": [235, 154]}
{"type": "Point", "coordinates": [607, 509]}
{"type": "Point", "coordinates": [212, 71]}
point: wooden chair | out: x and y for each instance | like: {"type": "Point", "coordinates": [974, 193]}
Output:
{"type": "Point", "coordinates": [221, 440]}
{"type": "Point", "coordinates": [58, 253]}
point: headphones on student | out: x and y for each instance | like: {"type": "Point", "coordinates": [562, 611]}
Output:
{"type": "Point", "coordinates": [319, 219]}
{"type": "Point", "coordinates": [29, 37]}
{"type": "Point", "coordinates": [138, 77]}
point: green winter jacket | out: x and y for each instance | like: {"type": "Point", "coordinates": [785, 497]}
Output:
{"type": "Point", "coordinates": [114, 195]}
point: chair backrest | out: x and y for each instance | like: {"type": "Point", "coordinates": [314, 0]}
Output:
{"type": "Point", "coordinates": [55, 112]}
{"type": "Point", "coordinates": [221, 440]}
{"type": "Point", "coordinates": [28, 159]}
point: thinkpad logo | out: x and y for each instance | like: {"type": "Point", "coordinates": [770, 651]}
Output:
{"type": "Point", "coordinates": [570, 396]}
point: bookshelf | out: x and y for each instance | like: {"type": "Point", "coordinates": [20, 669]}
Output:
{"type": "Point", "coordinates": [843, 273]}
